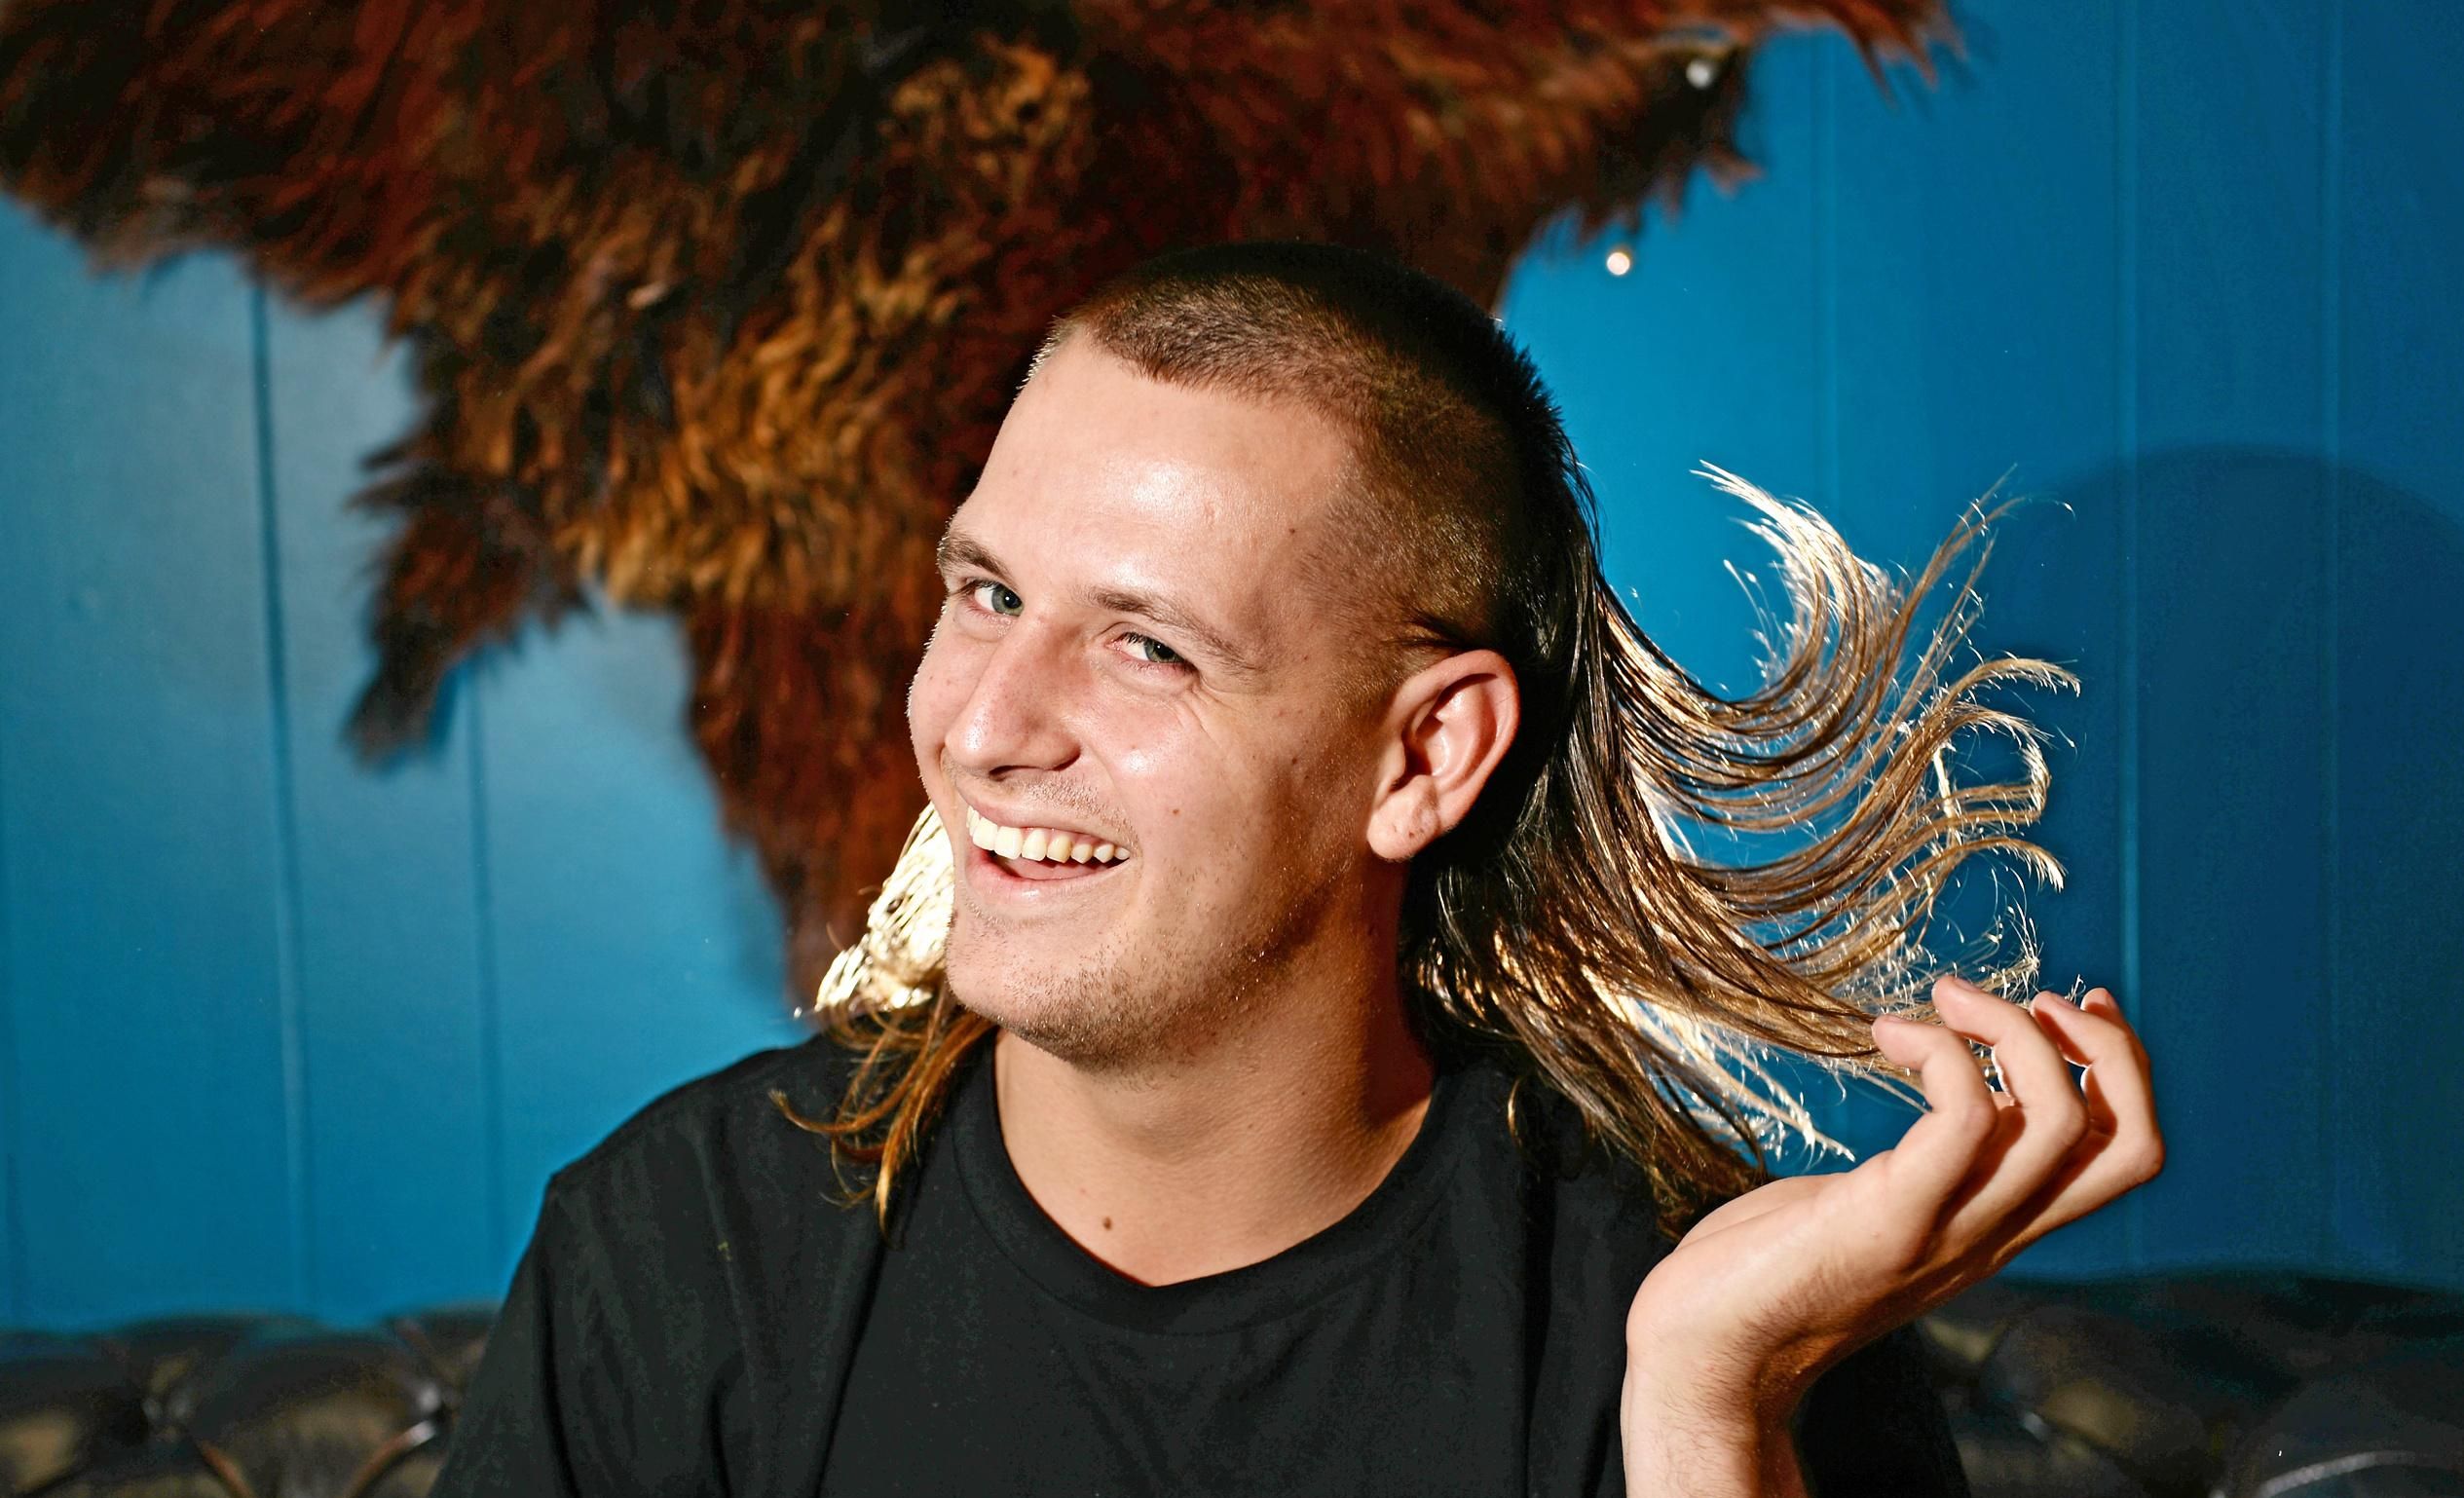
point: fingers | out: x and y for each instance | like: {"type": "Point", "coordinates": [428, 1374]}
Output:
{"type": "Point", "coordinates": [2009, 1167]}
{"type": "Point", "coordinates": [2127, 1143]}
{"type": "Point", "coordinates": [2041, 1129]}
{"type": "Point", "coordinates": [1939, 1148]}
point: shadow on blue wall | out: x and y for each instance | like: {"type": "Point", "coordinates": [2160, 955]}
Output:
{"type": "Point", "coordinates": [2258, 798]}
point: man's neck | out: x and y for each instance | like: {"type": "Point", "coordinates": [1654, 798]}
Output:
{"type": "Point", "coordinates": [1223, 1161]}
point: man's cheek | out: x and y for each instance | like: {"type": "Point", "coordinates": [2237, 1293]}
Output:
{"type": "Point", "coordinates": [932, 695]}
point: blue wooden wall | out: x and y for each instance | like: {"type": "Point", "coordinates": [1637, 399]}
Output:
{"type": "Point", "coordinates": [278, 1030]}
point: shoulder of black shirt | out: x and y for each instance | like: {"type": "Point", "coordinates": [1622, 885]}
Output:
{"type": "Point", "coordinates": [742, 1105]}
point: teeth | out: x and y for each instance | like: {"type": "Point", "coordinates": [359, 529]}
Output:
{"type": "Point", "coordinates": [1039, 842]}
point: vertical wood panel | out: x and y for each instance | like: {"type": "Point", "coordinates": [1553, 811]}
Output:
{"type": "Point", "coordinates": [1978, 306]}
{"type": "Point", "coordinates": [13, 1139]}
{"type": "Point", "coordinates": [2399, 676]}
{"type": "Point", "coordinates": [143, 860]}
{"type": "Point", "coordinates": [395, 1005]}
{"type": "Point", "coordinates": [634, 948]}
{"type": "Point", "coordinates": [2230, 686]}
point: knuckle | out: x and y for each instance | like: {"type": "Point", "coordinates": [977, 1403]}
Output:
{"type": "Point", "coordinates": [1908, 1252]}
{"type": "Point", "coordinates": [1971, 1122]}
{"type": "Point", "coordinates": [1895, 1242]}
{"type": "Point", "coordinates": [2069, 1126]}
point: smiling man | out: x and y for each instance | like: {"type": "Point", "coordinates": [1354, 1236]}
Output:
{"type": "Point", "coordinates": [1292, 1106]}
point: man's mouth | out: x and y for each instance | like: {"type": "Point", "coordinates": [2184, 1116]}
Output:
{"type": "Point", "coordinates": [1041, 853]}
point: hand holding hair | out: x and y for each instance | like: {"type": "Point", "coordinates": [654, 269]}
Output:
{"type": "Point", "coordinates": [1772, 1287]}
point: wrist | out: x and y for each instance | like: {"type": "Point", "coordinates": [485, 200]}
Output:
{"type": "Point", "coordinates": [1667, 1461]}
{"type": "Point", "coordinates": [1684, 1436]}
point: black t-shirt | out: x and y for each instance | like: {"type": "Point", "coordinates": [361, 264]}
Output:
{"type": "Point", "coordinates": [695, 1315]}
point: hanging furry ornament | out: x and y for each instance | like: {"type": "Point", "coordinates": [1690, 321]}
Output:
{"type": "Point", "coordinates": [718, 306]}
{"type": "Point", "coordinates": [897, 959]}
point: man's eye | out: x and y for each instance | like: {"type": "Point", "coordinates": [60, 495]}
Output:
{"type": "Point", "coordinates": [1003, 600]}
{"type": "Point", "coordinates": [1163, 655]}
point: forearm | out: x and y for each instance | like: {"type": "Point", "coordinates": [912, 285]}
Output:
{"type": "Point", "coordinates": [1680, 1442]}
{"type": "Point", "coordinates": [1670, 1462]}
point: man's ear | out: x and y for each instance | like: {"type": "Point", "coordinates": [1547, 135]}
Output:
{"type": "Point", "coordinates": [1449, 725]}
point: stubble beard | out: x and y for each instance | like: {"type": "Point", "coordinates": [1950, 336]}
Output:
{"type": "Point", "coordinates": [1127, 1006]}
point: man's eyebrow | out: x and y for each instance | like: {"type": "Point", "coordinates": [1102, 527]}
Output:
{"type": "Point", "coordinates": [958, 548]}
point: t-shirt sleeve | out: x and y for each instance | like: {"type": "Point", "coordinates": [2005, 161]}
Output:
{"type": "Point", "coordinates": [1873, 1424]}
{"type": "Point", "coordinates": [525, 1426]}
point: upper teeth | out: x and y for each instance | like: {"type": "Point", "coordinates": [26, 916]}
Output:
{"type": "Point", "coordinates": [1045, 843]}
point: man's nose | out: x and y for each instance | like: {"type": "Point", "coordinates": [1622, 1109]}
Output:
{"type": "Point", "coordinates": [1017, 708]}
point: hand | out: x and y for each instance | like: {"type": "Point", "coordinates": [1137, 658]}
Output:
{"type": "Point", "coordinates": [1775, 1286]}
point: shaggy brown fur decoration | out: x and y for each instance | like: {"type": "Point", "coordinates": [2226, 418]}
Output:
{"type": "Point", "coordinates": [718, 303]}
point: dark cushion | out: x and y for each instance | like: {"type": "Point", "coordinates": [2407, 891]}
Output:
{"type": "Point", "coordinates": [2220, 1384]}
{"type": "Point", "coordinates": [236, 1406]}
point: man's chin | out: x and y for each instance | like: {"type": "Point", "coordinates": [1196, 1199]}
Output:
{"type": "Point", "coordinates": [1063, 1031]}
{"type": "Point", "coordinates": [990, 983]}
{"type": "Point", "coordinates": [1063, 1015]}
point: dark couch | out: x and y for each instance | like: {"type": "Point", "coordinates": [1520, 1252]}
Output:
{"type": "Point", "coordinates": [2213, 1385]}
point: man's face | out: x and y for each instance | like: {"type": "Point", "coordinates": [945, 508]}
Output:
{"type": "Point", "coordinates": [1126, 654]}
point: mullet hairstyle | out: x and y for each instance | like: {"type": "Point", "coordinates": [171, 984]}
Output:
{"type": "Point", "coordinates": [1565, 925]}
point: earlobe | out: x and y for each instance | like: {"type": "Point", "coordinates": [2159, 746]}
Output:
{"type": "Point", "coordinates": [1408, 821]}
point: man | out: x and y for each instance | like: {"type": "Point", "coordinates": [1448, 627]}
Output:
{"type": "Point", "coordinates": [1273, 1122]}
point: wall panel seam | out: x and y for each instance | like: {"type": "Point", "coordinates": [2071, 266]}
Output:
{"type": "Point", "coordinates": [2126, 75]}
{"type": "Point", "coordinates": [483, 935]}
{"type": "Point", "coordinates": [11, 1117]}
{"type": "Point", "coordinates": [2332, 498]}
{"type": "Point", "coordinates": [1826, 280]}
{"type": "Point", "coordinates": [286, 907]}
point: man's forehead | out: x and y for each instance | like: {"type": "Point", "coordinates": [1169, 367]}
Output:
{"type": "Point", "coordinates": [1194, 456]}
{"type": "Point", "coordinates": [1162, 517]}
{"type": "Point", "coordinates": [1143, 519]}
